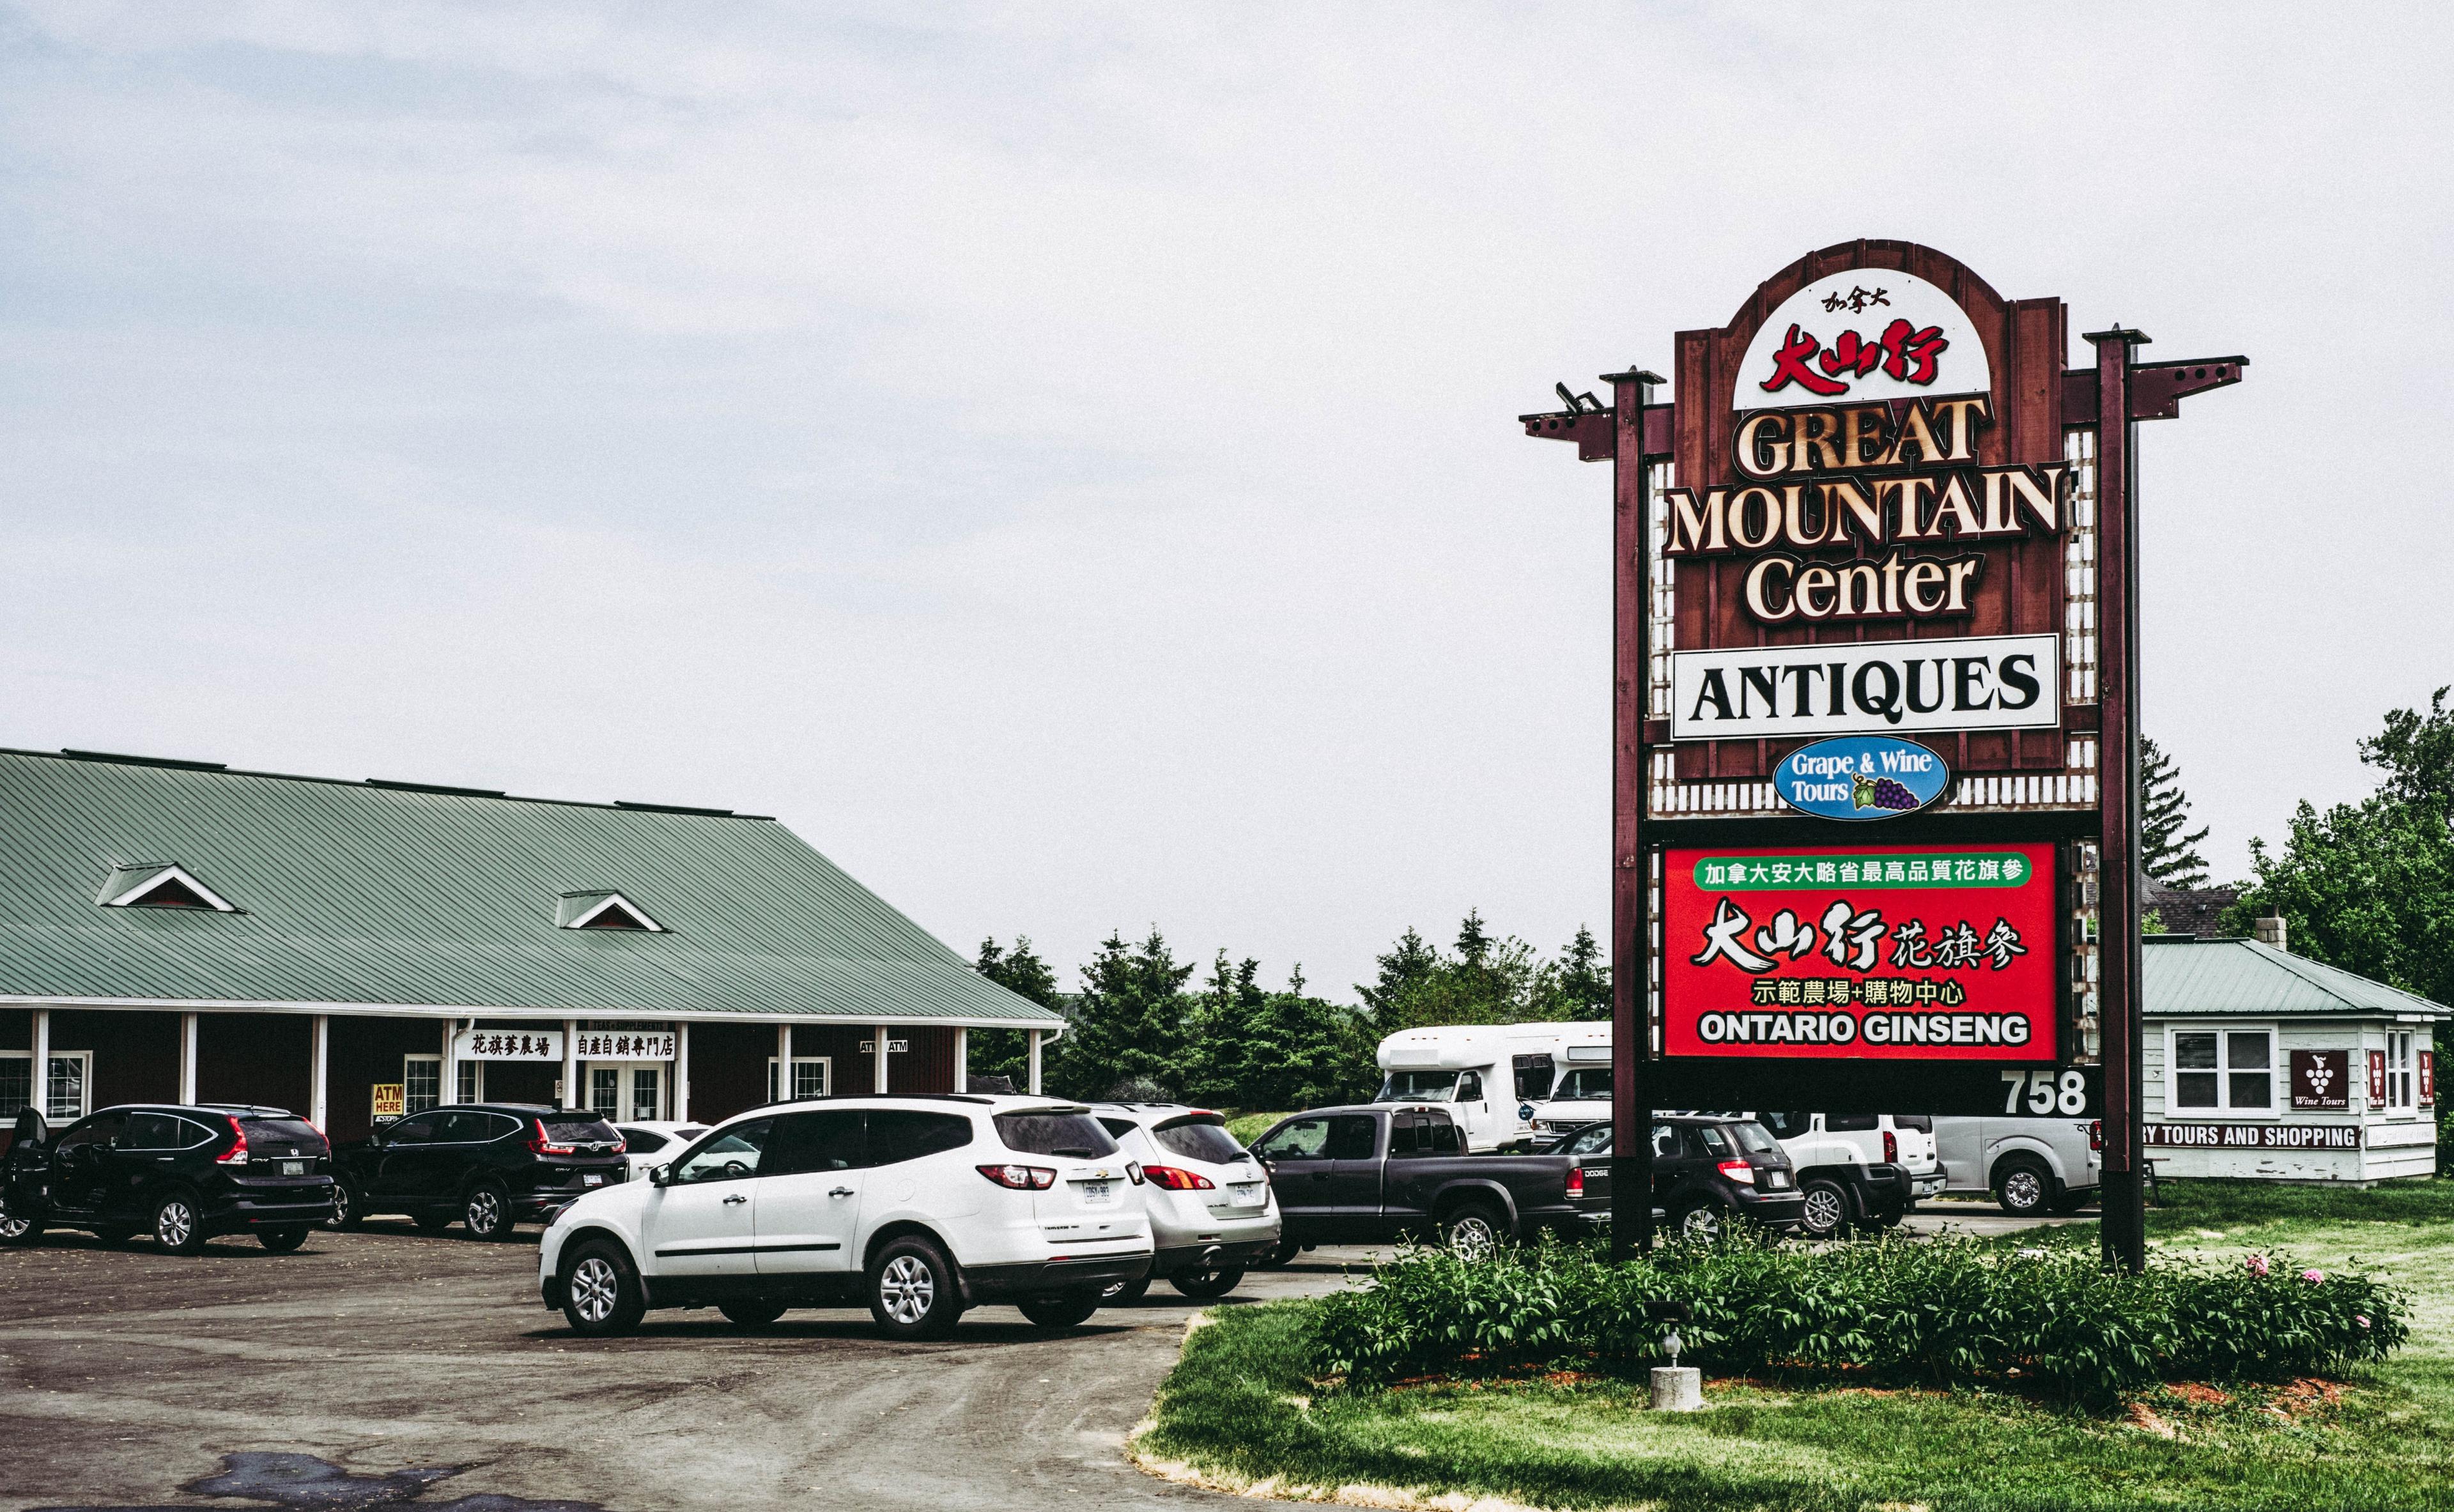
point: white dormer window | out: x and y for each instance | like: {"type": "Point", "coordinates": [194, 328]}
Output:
{"type": "Point", "coordinates": [155, 884]}
{"type": "Point", "coordinates": [603, 911]}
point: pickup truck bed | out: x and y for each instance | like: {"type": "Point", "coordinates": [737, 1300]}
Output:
{"type": "Point", "coordinates": [1378, 1172]}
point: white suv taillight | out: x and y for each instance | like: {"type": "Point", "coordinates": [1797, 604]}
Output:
{"type": "Point", "coordinates": [1020, 1177]}
{"type": "Point", "coordinates": [236, 1154]}
{"type": "Point", "coordinates": [1169, 1178]}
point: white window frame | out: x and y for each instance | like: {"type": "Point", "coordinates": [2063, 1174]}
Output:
{"type": "Point", "coordinates": [408, 1105]}
{"type": "Point", "coordinates": [2401, 1074]}
{"type": "Point", "coordinates": [2224, 1107]}
{"type": "Point", "coordinates": [826, 1065]}
{"type": "Point", "coordinates": [41, 1087]}
{"type": "Point", "coordinates": [472, 1073]}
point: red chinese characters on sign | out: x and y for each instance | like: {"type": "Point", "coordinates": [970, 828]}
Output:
{"type": "Point", "coordinates": [1903, 352]}
{"type": "Point", "coordinates": [1884, 952]}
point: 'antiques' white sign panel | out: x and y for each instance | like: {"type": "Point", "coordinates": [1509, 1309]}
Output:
{"type": "Point", "coordinates": [1982, 682]}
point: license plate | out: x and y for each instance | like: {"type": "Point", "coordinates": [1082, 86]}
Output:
{"type": "Point", "coordinates": [1246, 1194]}
{"type": "Point", "coordinates": [1099, 1194]}
{"type": "Point", "coordinates": [592, 1180]}
{"type": "Point", "coordinates": [293, 1168]}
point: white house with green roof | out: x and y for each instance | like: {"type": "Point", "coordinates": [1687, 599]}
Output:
{"type": "Point", "coordinates": [2265, 1064]}
{"type": "Point", "coordinates": [176, 930]}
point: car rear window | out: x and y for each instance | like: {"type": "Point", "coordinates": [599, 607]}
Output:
{"type": "Point", "coordinates": [1198, 1140]}
{"type": "Point", "coordinates": [1073, 1134]}
{"type": "Point", "coordinates": [578, 1128]}
{"type": "Point", "coordinates": [1754, 1139]}
{"type": "Point", "coordinates": [643, 1141]}
{"type": "Point", "coordinates": [897, 1134]}
{"type": "Point", "coordinates": [1715, 1144]}
{"type": "Point", "coordinates": [297, 1133]}
{"type": "Point", "coordinates": [1851, 1122]}
{"type": "Point", "coordinates": [1914, 1120]}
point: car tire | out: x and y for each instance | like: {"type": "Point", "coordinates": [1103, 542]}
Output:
{"type": "Point", "coordinates": [601, 1295]}
{"type": "Point", "coordinates": [1473, 1230]}
{"type": "Point", "coordinates": [2022, 1187]}
{"type": "Point", "coordinates": [1701, 1219]}
{"type": "Point", "coordinates": [15, 1229]}
{"type": "Point", "coordinates": [486, 1211]}
{"type": "Point", "coordinates": [1823, 1211]}
{"type": "Point", "coordinates": [751, 1312]}
{"type": "Point", "coordinates": [912, 1290]}
{"type": "Point", "coordinates": [1124, 1294]}
{"type": "Point", "coordinates": [1060, 1309]}
{"type": "Point", "coordinates": [1203, 1285]}
{"type": "Point", "coordinates": [281, 1241]}
{"type": "Point", "coordinates": [177, 1226]}
{"type": "Point", "coordinates": [349, 1209]}
{"type": "Point", "coordinates": [1279, 1256]}
{"type": "Point", "coordinates": [431, 1222]}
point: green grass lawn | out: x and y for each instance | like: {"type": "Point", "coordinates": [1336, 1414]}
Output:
{"type": "Point", "coordinates": [1250, 1126]}
{"type": "Point", "coordinates": [1239, 1409]}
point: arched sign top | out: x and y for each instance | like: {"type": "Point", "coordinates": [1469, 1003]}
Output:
{"type": "Point", "coordinates": [1859, 336]}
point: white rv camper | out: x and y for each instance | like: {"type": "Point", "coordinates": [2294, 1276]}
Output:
{"type": "Point", "coordinates": [1492, 1076]}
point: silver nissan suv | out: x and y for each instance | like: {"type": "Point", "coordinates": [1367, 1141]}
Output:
{"type": "Point", "coordinates": [1212, 1213]}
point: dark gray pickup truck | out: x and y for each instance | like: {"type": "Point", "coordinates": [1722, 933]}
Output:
{"type": "Point", "coordinates": [1381, 1171]}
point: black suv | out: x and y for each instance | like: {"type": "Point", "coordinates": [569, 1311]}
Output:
{"type": "Point", "coordinates": [1707, 1170]}
{"type": "Point", "coordinates": [488, 1164]}
{"type": "Point", "coordinates": [184, 1172]}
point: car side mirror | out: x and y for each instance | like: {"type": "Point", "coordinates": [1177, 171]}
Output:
{"type": "Point", "coordinates": [30, 1130]}
{"type": "Point", "coordinates": [661, 1176]}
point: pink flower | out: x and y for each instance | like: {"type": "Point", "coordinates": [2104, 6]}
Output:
{"type": "Point", "coordinates": [2313, 1276]}
{"type": "Point", "coordinates": [2256, 1266]}
{"type": "Point", "coordinates": [2361, 1318]}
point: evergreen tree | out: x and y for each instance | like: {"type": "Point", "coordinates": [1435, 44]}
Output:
{"type": "Point", "coordinates": [1005, 1051]}
{"type": "Point", "coordinates": [1404, 969]}
{"type": "Point", "coordinates": [2165, 853]}
{"type": "Point", "coordinates": [1585, 978]}
{"type": "Point", "coordinates": [1128, 1023]}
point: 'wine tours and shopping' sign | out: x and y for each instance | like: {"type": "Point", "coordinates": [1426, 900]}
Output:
{"type": "Point", "coordinates": [1873, 563]}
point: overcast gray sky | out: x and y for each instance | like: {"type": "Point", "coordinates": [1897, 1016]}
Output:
{"type": "Point", "coordinates": [1062, 460]}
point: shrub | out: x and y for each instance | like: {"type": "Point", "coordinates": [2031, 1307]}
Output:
{"type": "Point", "coordinates": [1939, 1313]}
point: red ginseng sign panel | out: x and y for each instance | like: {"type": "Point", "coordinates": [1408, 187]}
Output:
{"type": "Point", "coordinates": [1883, 952]}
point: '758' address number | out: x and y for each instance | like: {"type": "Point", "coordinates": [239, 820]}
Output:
{"type": "Point", "coordinates": [2045, 1090]}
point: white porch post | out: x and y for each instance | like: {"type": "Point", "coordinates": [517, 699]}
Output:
{"type": "Point", "coordinates": [962, 1060]}
{"type": "Point", "coordinates": [574, 1095]}
{"type": "Point", "coordinates": [877, 1062]}
{"type": "Point", "coordinates": [319, 1058]}
{"type": "Point", "coordinates": [41, 1093]}
{"type": "Point", "coordinates": [1031, 1036]}
{"type": "Point", "coordinates": [783, 1083]}
{"type": "Point", "coordinates": [681, 1071]}
{"type": "Point", "coordinates": [450, 1090]}
{"type": "Point", "coordinates": [187, 1057]}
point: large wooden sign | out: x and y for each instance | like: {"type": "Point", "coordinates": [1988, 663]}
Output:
{"type": "Point", "coordinates": [1876, 613]}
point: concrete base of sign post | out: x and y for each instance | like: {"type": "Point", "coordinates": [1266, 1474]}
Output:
{"type": "Point", "coordinates": [1677, 1388]}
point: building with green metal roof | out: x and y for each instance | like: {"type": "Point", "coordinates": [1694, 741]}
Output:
{"type": "Point", "coordinates": [360, 949]}
{"type": "Point", "coordinates": [2265, 1064]}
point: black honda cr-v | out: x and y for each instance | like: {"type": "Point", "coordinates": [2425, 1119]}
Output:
{"type": "Point", "coordinates": [181, 1172]}
{"type": "Point", "coordinates": [488, 1164]}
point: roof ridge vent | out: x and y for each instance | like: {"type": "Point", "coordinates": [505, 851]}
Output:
{"type": "Point", "coordinates": [144, 761]}
{"type": "Point", "coordinates": [672, 807]}
{"type": "Point", "coordinates": [160, 884]}
{"type": "Point", "coordinates": [392, 785]}
{"type": "Point", "coordinates": [602, 909]}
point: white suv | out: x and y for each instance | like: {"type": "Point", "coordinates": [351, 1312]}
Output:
{"type": "Point", "coordinates": [920, 1206]}
{"type": "Point", "coordinates": [1212, 1213]}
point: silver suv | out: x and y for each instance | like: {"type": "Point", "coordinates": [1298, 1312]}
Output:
{"type": "Point", "coordinates": [1212, 1213]}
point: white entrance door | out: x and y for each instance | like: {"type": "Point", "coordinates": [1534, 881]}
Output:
{"type": "Point", "coordinates": [625, 1091]}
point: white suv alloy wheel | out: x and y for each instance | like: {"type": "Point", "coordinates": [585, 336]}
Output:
{"type": "Point", "coordinates": [1825, 1213]}
{"type": "Point", "coordinates": [594, 1289]}
{"type": "Point", "coordinates": [907, 1288]}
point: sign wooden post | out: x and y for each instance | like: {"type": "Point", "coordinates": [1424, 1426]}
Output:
{"type": "Point", "coordinates": [1875, 803]}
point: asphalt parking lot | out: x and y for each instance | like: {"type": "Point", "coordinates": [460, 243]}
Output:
{"type": "Point", "coordinates": [129, 1375]}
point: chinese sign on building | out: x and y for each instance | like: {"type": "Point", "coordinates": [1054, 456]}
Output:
{"type": "Point", "coordinates": [625, 1045]}
{"type": "Point", "coordinates": [502, 1044]}
{"type": "Point", "coordinates": [1883, 952]}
